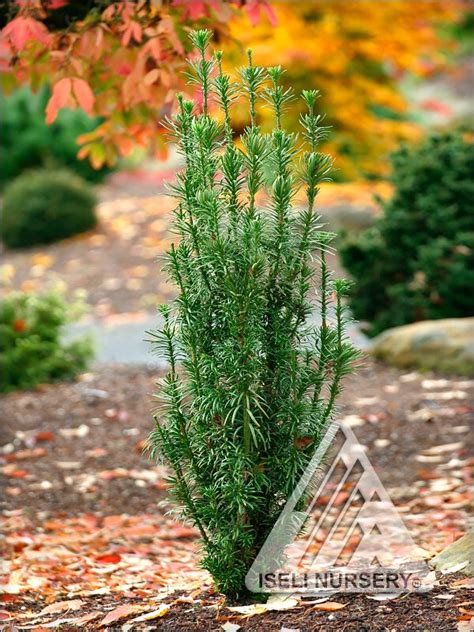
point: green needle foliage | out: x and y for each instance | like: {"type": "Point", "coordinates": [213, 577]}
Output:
{"type": "Point", "coordinates": [252, 383]}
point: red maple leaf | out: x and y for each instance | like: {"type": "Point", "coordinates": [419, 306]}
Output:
{"type": "Point", "coordinates": [24, 29]}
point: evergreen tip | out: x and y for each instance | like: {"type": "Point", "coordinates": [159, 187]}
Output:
{"type": "Point", "coordinates": [342, 286]}
{"type": "Point", "coordinates": [310, 97]}
{"type": "Point", "coordinates": [275, 73]}
{"type": "Point", "coordinates": [200, 39]}
{"type": "Point", "coordinates": [324, 238]}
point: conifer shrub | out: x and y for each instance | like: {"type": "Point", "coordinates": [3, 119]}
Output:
{"type": "Point", "coordinates": [252, 380]}
{"type": "Point", "coordinates": [417, 261]}
{"type": "Point", "coordinates": [31, 349]}
{"type": "Point", "coordinates": [44, 206]}
{"type": "Point", "coordinates": [28, 142]}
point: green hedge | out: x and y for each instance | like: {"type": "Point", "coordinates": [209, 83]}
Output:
{"type": "Point", "coordinates": [28, 142]}
{"type": "Point", "coordinates": [417, 262]}
{"type": "Point", "coordinates": [44, 206]}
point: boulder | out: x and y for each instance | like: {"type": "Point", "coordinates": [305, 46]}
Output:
{"type": "Point", "coordinates": [442, 345]}
{"type": "Point", "coordinates": [350, 218]}
{"type": "Point", "coordinates": [458, 556]}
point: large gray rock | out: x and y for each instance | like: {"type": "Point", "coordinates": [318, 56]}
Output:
{"type": "Point", "coordinates": [348, 217]}
{"type": "Point", "coordinates": [443, 345]}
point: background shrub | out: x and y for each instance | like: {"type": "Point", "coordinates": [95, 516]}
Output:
{"type": "Point", "coordinates": [27, 141]}
{"type": "Point", "coordinates": [417, 262]}
{"type": "Point", "coordinates": [31, 349]}
{"type": "Point", "coordinates": [43, 206]}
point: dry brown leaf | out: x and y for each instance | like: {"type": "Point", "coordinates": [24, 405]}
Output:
{"type": "Point", "coordinates": [85, 618]}
{"type": "Point", "coordinates": [120, 613]}
{"type": "Point", "coordinates": [447, 447]}
{"type": "Point", "coordinates": [280, 602]}
{"type": "Point", "coordinates": [329, 606]}
{"type": "Point", "coordinates": [383, 596]}
{"type": "Point", "coordinates": [76, 621]}
{"type": "Point", "coordinates": [154, 614]}
{"type": "Point", "coordinates": [61, 606]}
{"type": "Point", "coordinates": [249, 611]}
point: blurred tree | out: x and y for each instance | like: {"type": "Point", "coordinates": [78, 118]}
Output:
{"type": "Point", "coordinates": [119, 60]}
{"type": "Point", "coordinates": [27, 141]}
{"type": "Point", "coordinates": [354, 53]}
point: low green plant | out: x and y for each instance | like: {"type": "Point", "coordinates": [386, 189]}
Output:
{"type": "Point", "coordinates": [31, 347]}
{"type": "Point", "coordinates": [417, 262]}
{"type": "Point", "coordinates": [44, 206]}
{"type": "Point", "coordinates": [252, 382]}
{"type": "Point", "coordinates": [29, 142]}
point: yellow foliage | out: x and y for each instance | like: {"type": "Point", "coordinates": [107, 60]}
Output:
{"type": "Point", "coordinates": [354, 52]}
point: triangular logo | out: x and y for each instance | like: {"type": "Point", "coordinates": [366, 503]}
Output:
{"type": "Point", "coordinates": [339, 530]}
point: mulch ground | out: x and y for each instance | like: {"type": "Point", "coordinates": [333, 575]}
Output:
{"type": "Point", "coordinates": [86, 534]}
{"type": "Point", "coordinates": [117, 265]}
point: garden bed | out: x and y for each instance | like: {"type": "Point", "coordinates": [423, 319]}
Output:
{"type": "Point", "coordinates": [83, 511]}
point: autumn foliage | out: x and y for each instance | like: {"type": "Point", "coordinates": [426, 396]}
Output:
{"type": "Point", "coordinates": [119, 60]}
{"type": "Point", "coordinates": [122, 60]}
{"type": "Point", "coordinates": [355, 53]}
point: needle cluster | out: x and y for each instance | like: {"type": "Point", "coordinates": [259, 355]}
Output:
{"type": "Point", "coordinates": [253, 377]}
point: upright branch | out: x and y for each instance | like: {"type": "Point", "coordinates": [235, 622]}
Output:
{"type": "Point", "coordinates": [253, 376]}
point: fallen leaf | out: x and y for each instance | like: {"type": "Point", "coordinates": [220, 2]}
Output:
{"type": "Point", "coordinates": [279, 602]}
{"type": "Point", "coordinates": [154, 614]}
{"type": "Point", "coordinates": [42, 259]}
{"type": "Point", "coordinates": [383, 596]}
{"type": "Point", "coordinates": [120, 613]}
{"type": "Point", "coordinates": [447, 395]}
{"type": "Point", "coordinates": [61, 606]}
{"type": "Point", "coordinates": [465, 582]}
{"type": "Point", "coordinates": [422, 414]}
{"type": "Point", "coordinates": [230, 627]}
{"type": "Point", "coordinates": [109, 558]}
{"type": "Point", "coordinates": [80, 432]}
{"type": "Point", "coordinates": [469, 613]}
{"type": "Point", "coordinates": [12, 472]}
{"type": "Point", "coordinates": [366, 401]}
{"type": "Point", "coordinates": [76, 621]}
{"type": "Point", "coordinates": [455, 568]}
{"type": "Point", "coordinates": [179, 531]}
{"type": "Point", "coordinates": [446, 447]}
{"type": "Point", "coordinates": [23, 455]}
{"type": "Point", "coordinates": [352, 421]}
{"type": "Point", "coordinates": [423, 458]}
{"type": "Point", "coordinates": [250, 611]}
{"type": "Point", "coordinates": [44, 435]}
{"type": "Point", "coordinates": [429, 384]}
{"type": "Point", "coordinates": [68, 465]}
{"type": "Point", "coordinates": [85, 618]}
{"type": "Point", "coordinates": [329, 606]}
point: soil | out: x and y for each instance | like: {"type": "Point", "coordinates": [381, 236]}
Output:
{"type": "Point", "coordinates": [400, 419]}
{"type": "Point", "coordinates": [75, 454]}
